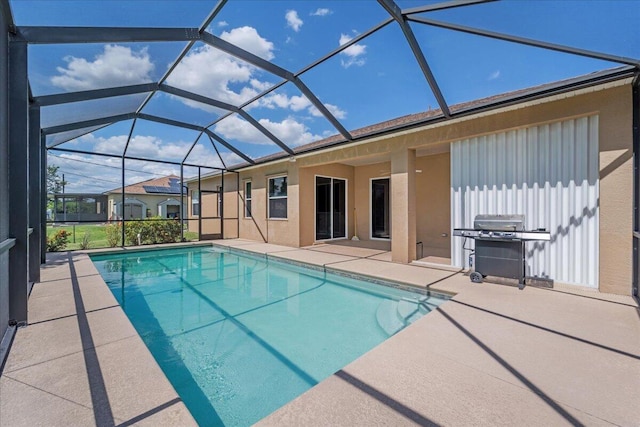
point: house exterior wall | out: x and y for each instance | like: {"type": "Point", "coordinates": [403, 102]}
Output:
{"type": "Point", "coordinates": [549, 174]}
{"type": "Point", "coordinates": [151, 202]}
{"type": "Point", "coordinates": [259, 227]}
{"type": "Point", "coordinates": [433, 210]}
{"type": "Point", "coordinates": [611, 102]}
{"type": "Point", "coordinates": [362, 188]}
{"type": "Point", "coordinates": [209, 206]}
{"type": "Point", "coordinates": [308, 198]}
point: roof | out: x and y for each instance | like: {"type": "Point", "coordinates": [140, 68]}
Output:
{"type": "Point", "coordinates": [463, 109]}
{"type": "Point", "coordinates": [169, 184]}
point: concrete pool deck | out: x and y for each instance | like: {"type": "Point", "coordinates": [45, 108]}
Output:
{"type": "Point", "coordinates": [492, 355]}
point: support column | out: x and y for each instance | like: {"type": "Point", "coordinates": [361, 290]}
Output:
{"type": "Point", "coordinates": [403, 206]}
{"type": "Point", "coordinates": [34, 194]}
{"type": "Point", "coordinates": [43, 199]}
{"type": "Point", "coordinates": [18, 176]}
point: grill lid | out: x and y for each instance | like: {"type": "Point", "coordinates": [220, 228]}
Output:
{"type": "Point", "coordinates": [499, 222]}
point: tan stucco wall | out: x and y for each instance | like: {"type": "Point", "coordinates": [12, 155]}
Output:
{"type": "Point", "coordinates": [209, 206]}
{"type": "Point", "coordinates": [150, 201]}
{"type": "Point", "coordinates": [403, 205]}
{"type": "Point", "coordinates": [612, 104]}
{"type": "Point", "coordinates": [363, 176]}
{"type": "Point", "coordinates": [277, 231]}
{"type": "Point", "coordinates": [433, 206]}
{"type": "Point", "coordinates": [307, 198]}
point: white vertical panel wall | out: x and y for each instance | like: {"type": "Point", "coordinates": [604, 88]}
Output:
{"type": "Point", "coordinates": [549, 173]}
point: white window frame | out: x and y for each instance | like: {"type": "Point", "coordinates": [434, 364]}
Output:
{"type": "Point", "coordinates": [346, 203]}
{"type": "Point", "coordinates": [193, 202]}
{"type": "Point", "coordinates": [269, 198]}
{"type": "Point", "coordinates": [384, 239]}
{"type": "Point", "coordinates": [247, 198]}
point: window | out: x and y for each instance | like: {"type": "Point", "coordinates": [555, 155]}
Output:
{"type": "Point", "coordinates": [195, 202]}
{"type": "Point", "coordinates": [247, 199]}
{"type": "Point", "coordinates": [219, 201]}
{"type": "Point", "coordinates": [278, 197]}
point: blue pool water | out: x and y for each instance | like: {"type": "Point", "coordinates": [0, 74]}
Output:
{"type": "Point", "coordinates": [239, 336]}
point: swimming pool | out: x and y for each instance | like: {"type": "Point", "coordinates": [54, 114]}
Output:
{"type": "Point", "coordinates": [239, 336]}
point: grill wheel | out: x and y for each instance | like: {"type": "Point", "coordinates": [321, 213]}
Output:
{"type": "Point", "coordinates": [476, 277]}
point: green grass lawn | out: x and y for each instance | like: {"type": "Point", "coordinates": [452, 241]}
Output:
{"type": "Point", "coordinates": [97, 235]}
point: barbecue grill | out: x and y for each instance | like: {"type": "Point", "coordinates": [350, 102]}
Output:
{"type": "Point", "coordinates": [500, 244]}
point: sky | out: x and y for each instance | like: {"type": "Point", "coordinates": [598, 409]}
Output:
{"type": "Point", "coordinates": [374, 80]}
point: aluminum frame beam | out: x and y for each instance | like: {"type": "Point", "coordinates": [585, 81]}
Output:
{"type": "Point", "coordinates": [43, 198]}
{"type": "Point", "coordinates": [259, 62]}
{"type": "Point", "coordinates": [635, 281]}
{"type": "Point", "coordinates": [211, 134]}
{"type": "Point", "coordinates": [142, 116]}
{"type": "Point", "coordinates": [348, 44]}
{"type": "Point", "coordinates": [186, 156]}
{"type": "Point", "coordinates": [119, 156]}
{"type": "Point", "coordinates": [35, 191]}
{"type": "Point", "coordinates": [195, 97]}
{"type": "Point", "coordinates": [66, 35]}
{"type": "Point", "coordinates": [392, 8]}
{"type": "Point", "coordinates": [170, 122]}
{"type": "Point", "coordinates": [322, 108]}
{"type": "Point", "coordinates": [265, 131]}
{"type": "Point", "coordinates": [89, 95]}
{"type": "Point", "coordinates": [249, 57]}
{"type": "Point", "coordinates": [87, 124]}
{"type": "Point", "coordinates": [18, 93]}
{"type": "Point", "coordinates": [527, 41]}
{"type": "Point", "coordinates": [5, 9]}
{"type": "Point", "coordinates": [217, 152]}
{"type": "Point", "coordinates": [443, 6]}
{"type": "Point", "coordinates": [185, 50]}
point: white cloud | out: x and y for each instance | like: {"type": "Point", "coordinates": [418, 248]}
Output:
{"type": "Point", "coordinates": [223, 24]}
{"type": "Point", "coordinates": [289, 131]}
{"type": "Point", "coordinates": [248, 39]}
{"type": "Point", "coordinates": [215, 74]}
{"type": "Point", "coordinates": [333, 109]}
{"type": "Point", "coordinates": [95, 174]}
{"type": "Point", "coordinates": [321, 11]}
{"type": "Point", "coordinates": [298, 103]}
{"type": "Point", "coordinates": [354, 54]}
{"type": "Point", "coordinates": [280, 100]}
{"type": "Point", "coordinates": [115, 66]}
{"type": "Point", "coordinates": [494, 75]}
{"type": "Point", "coordinates": [293, 20]}
{"type": "Point", "coordinates": [139, 146]}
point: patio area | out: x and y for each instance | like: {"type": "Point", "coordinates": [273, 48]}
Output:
{"type": "Point", "coordinates": [492, 355]}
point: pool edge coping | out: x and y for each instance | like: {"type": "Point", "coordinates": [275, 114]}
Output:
{"type": "Point", "coordinates": [397, 284]}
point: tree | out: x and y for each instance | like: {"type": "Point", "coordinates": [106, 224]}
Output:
{"type": "Point", "coordinates": [54, 182]}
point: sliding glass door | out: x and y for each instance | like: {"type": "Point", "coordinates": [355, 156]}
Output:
{"type": "Point", "coordinates": [331, 208]}
{"type": "Point", "coordinates": [380, 208]}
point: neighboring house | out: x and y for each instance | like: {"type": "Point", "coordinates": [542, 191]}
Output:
{"type": "Point", "coordinates": [79, 207]}
{"type": "Point", "coordinates": [561, 154]}
{"type": "Point", "coordinates": [154, 197]}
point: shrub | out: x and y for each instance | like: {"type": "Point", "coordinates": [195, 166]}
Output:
{"type": "Point", "coordinates": [86, 241]}
{"type": "Point", "coordinates": [114, 233]}
{"type": "Point", "coordinates": [58, 241]}
{"type": "Point", "coordinates": [152, 230]}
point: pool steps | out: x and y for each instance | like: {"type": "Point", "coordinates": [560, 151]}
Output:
{"type": "Point", "coordinates": [394, 315]}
